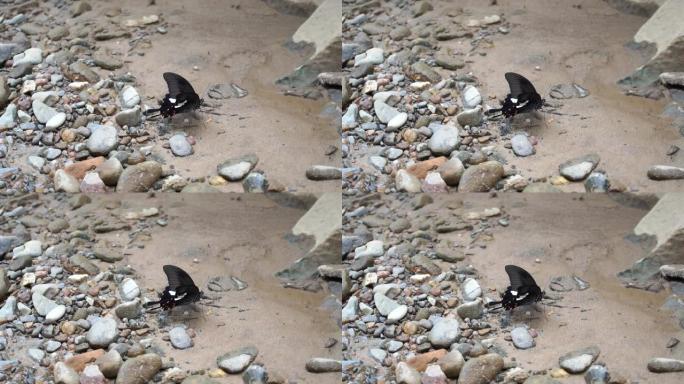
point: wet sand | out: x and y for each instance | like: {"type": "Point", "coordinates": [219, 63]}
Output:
{"type": "Point", "coordinates": [239, 41]}
{"type": "Point", "coordinates": [243, 236]}
{"type": "Point", "coordinates": [583, 236]}
{"type": "Point", "coordinates": [583, 42]}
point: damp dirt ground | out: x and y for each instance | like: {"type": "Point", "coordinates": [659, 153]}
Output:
{"type": "Point", "coordinates": [242, 42]}
{"type": "Point", "coordinates": [554, 235]}
{"type": "Point", "coordinates": [245, 42]}
{"type": "Point", "coordinates": [247, 237]}
{"type": "Point", "coordinates": [583, 42]}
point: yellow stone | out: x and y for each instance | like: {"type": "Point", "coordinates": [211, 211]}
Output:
{"type": "Point", "coordinates": [217, 180]}
{"type": "Point", "coordinates": [559, 180]}
{"type": "Point", "coordinates": [559, 373]}
{"type": "Point", "coordinates": [216, 373]}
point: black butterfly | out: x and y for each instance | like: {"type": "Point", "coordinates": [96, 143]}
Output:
{"type": "Point", "coordinates": [181, 290]}
{"type": "Point", "coordinates": [523, 289]}
{"type": "Point", "coordinates": [522, 97]}
{"type": "Point", "coordinates": [180, 98]}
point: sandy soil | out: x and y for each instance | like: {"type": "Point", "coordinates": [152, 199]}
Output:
{"type": "Point", "coordinates": [240, 41]}
{"type": "Point", "coordinates": [243, 236]}
{"type": "Point", "coordinates": [580, 41]}
{"type": "Point", "coordinates": [583, 236]}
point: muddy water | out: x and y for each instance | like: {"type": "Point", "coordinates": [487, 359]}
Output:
{"type": "Point", "coordinates": [584, 237]}
{"type": "Point", "coordinates": [245, 237]}
{"type": "Point", "coordinates": [240, 41]}
{"type": "Point", "coordinates": [581, 41]}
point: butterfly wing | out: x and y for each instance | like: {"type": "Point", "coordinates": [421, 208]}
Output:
{"type": "Point", "coordinates": [178, 86]}
{"type": "Point", "coordinates": [520, 279]}
{"type": "Point", "coordinates": [177, 278]}
{"type": "Point", "coordinates": [520, 87]}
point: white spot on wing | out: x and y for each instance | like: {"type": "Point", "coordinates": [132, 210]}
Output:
{"type": "Point", "coordinates": [179, 297]}
{"type": "Point", "coordinates": [514, 293]}
{"type": "Point", "coordinates": [522, 105]}
{"type": "Point", "coordinates": [173, 101]}
{"type": "Point", "coordinates": [514, 101]}
{"type": "Point", "coordinates": [172, 293]}
{"type": "Point", "coordinates": [181, 104]}
{"type": "Point", "coordinates": [521, 297]}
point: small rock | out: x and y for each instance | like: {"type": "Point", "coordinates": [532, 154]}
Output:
{"type": "Point", "coordinates": [180, 338]}
{"type": "Point", "coordinates": [180, 146]}
{"type": "Point", "coordinates": [129, 97]}
{"type": "Point", "coordinates": [452, 363]}
{"type": "Point", "coordinates": [103, 139]}
{"type": "Point", "coordinates": [63, 374]}
{"type": "Point", "coordinates": [110, 171]}
{"type": "Point", "coordinates": [406, 374]}
{"type": "Point", "coordinates": [481, 370]}
{"type": "Point", "coordinates": [521, 338]}
{"type": "Point", "coordinates": [471, 97]}
{"type": "Point", "coordinates": [444, 332]}
{"type": "Point", "coordinates": [407, 182]}
{"type": "Point", "coordinates": [140, 177]}
{"type": "Point", "coordinates": [102, 333]}
{"type": "Point", "coordinates": [323, 172]}
{"type": "Point", "coordinates": [110, 363]}
{"type": "Point", "coordinates": [43, 112]}
{"type": "Point", "coordinates": [323, 365]}
{"type": "Point", "coordinates": [470, 289]}
{"type": "Point", "coordinates": [579, 168]}
{"type": "Point", "coordinates": [64, 182]}
{"type": "Point", "coordinates": [139, 370]}
{"type": "Point", "coordinates": [578, 361]}
{"type": "Point", "coordinates": [665, 172]}
{"type": "Point", "coordinates": [481, 177]}
{"type": "Point", "coordinates": [521, 145]}
{"type": "Point", "coordinates": [237, 168]}
{"type": "Point", "coordinates": [372, 56]}
{"type": "Point", "coordinates": [31, 56]}
{"type": "Point", "coordinates": [444, 139]}
{"type": "Point", "coordinates": [664, 364]}
{"type": "Point", "coordinates": [238, 360]}
{"type": "Point", "coordinates": [129, 117]}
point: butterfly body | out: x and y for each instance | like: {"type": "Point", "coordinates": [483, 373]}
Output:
{"type": "Point", "coordinates": [181, 97]}
{"type": "Point", "coordinates": [522, 98]}
{"type": "Point", "coordinates": [181, 290]}
{"type": "Point", "coordinates": [523, 290]}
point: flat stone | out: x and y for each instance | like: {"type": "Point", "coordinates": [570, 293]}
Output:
{"type": "Point", "coordinates": [238, 360]}
{"type": "Point", "coordinates": [237, 168]}
{"type": "Point", "coordinates": [444, 333]}
{"type": "Point", "coordinates": [579, 168]}
{"type": "Point", "coordinates": [578, 361]}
